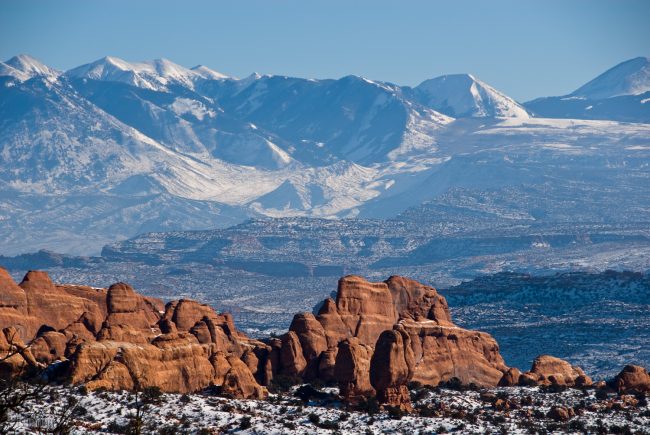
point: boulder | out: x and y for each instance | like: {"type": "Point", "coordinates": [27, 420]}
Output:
{"type": "Point", "coordinates": [632, 378]}
{"type": "Point", "coordinates": [510, 377]}
{"type": "Point", "coordinates": [560, 413]}
{"type": "Point", "coordinates": [549, 370]}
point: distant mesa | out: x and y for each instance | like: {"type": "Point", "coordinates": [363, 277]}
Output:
{"type": "Point", "coordinates": [372, 340]}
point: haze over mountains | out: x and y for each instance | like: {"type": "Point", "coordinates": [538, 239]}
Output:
{"type": "Point", "coordinates": [112, 149]}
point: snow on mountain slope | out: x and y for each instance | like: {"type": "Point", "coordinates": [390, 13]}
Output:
{"type": "Point", "coordinates": [325, 121]}
{"type": "Point", "coordinates": [463, 95]}
{"type": "Point", "coordinates": [24, 67]}
{"type": "Point", "coordinates": [631, 77]}
{"type": "Point", "coordinates": [208, 73]}
{"type": "Point", "coordinates": [621, 93]}
{"type": "Point", "coordinates": [124, 144]}
{"type": "Point", "coordinates": [157, 74]}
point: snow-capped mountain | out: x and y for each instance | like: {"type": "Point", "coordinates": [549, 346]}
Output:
{"type": "Point", "coordinates": [157, 74]}
{"type": "Point", "coordinates": [208, 73]}
{"type": "Point", "coordinates": [114, 148]}
{"type": "Point", "coordinates": [24, 67]}
{"type": "Point", "coordinates": [463, 95]}
{"type": "Point", "coordinates": [621, 93]}
{"type": "Point", "coordinates": [627, 78]}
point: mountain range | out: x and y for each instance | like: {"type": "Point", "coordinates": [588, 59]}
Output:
{"type": "Point", "coordinates": [112, 149]}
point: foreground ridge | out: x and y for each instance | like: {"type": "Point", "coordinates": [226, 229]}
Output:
{"type": "Point", "coordinates": [372, 340]}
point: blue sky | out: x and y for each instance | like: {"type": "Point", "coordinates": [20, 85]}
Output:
{"type": "Point", "coordinates": [524, 48]}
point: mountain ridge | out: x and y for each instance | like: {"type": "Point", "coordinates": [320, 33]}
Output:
{"type": "Point", "coordinates": [138, 137]}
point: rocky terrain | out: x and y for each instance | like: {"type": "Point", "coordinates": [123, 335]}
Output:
{"type": "Point", "coordinates": [512, 410]}
{"type": "Point", "coordinates": [391, 344]}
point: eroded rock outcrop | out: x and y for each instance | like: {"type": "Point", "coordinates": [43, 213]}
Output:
{"type": "Point", "coordinates": [373, 339]}
{"type": "Point", "coordinates": [118, 339]}
{"type": "Point", "coordinates": [437, 349]}
{"type": "Point", "coordinates": [391, 368]}
{"type": "Point", "coordinates": [549, 370]}
{"type": "Point", "coordinates": [632, 378]}
{"type": "Point", "coordinates": [352, 369]}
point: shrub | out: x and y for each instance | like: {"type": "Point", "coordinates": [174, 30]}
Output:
{"type": "Point", "coordinates": [453, 384]}
{"type": "Point", "coordinates": [170, 429]}
{"type": "Point", "coordinates": [419, 394]}
{"type": "Point", "coordinates": [328, 424]}
{"type": "Point", "coordinates": [307, 392]}
{"type": "Point", "coordinates": [283, 383]}
{"type": "Point", "coordinates": [245, 422]}
{"type": "Point", "coordinates": [395, 412]}
{"type": "Point", "coordinates": [601, 394]}
{"type": "Point", "coordinates": [313, 418]}
{"type": "Point", "coordinates": [152, 395]}
{"type": "Point", "coordinates": [370, 406]}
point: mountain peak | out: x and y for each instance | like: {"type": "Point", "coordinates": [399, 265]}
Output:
{"type": "Point", "coordinates": [155, 74]}
{"type": "Point", "coordinates": [208, 73]}
{"type": "Point", "coordinates": [24, 67]}
{"type": "Point", "coordinates": [463, 96]}
{"type": "Point", "coordinates": [631, 77]}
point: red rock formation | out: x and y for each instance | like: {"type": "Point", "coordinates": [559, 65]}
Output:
{"type": "Point", "coordinates": [391, 368]}
{"type": "Point", "coordinates": [510, 378]}
{"type": "Point", "coordinates": [549, 370]}
{"type": "Point", "coordinates": [445, 352]}
{"type": "Point", "coordinates": [126, 307]}
{"type": "Point", "coordinates": [352, 369]}
{"type": "Point", "coordinates": [117, 339]}
{"type": "Point", "coordinates": [49, 347]}
{"type": "Point", "coordinates": [363, 311]}
{"type": "Point", "coordinates": [15, 356]}
{"type": "Point", "coordinates": [632, 378]}
{"type": "Point", "coordinates": [292, 360]}
{"type": "Point", "coordinates": [374, 338]}
{"type": "Point", "coordinates": [313, 343]}
{"type": "Point", "coordinates": [417, 301]}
